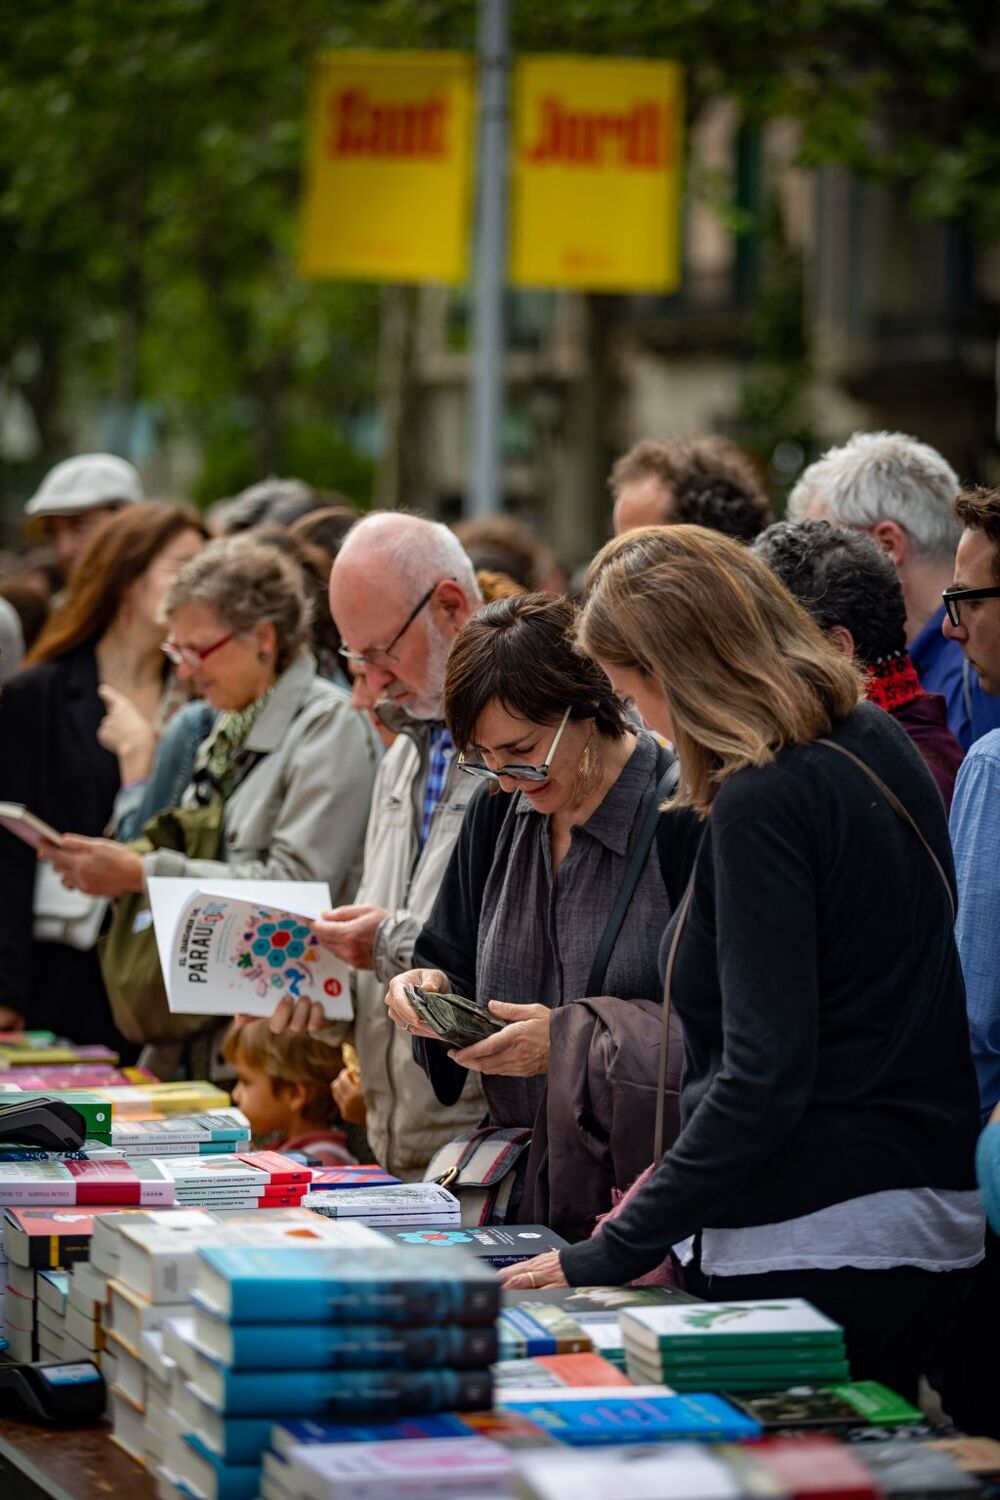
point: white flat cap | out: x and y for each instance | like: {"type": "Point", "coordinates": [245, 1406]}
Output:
{"type": "Point", "coordinates": [82, 483]}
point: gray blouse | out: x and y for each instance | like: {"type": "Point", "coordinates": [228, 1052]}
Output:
{"type": "Point", "coordinates": [538, 934]}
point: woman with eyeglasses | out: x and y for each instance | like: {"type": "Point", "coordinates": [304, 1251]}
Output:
{"type": "Point", "coordinates": [829, 1104]}
{"type": "Point", "coordinates": [81, 719]}
{"type": "Point", "coordinates": [532, 882]}
{"type": "Point", "coordinates": [290, 760]}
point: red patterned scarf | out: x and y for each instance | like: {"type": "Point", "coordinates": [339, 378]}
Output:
{"type": "Point", "coordinates": [893, 681]}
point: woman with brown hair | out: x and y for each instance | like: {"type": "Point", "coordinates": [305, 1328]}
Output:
{"type": "Point", "coordinates": [829, 1109]}
{"type": "Point", "coordinates": [527, 896]}
{"type": "Point", "coordinates": [95, 670]}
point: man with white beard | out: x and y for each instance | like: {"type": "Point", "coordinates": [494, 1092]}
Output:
{"type": "Point", "coordinates": [400, 590]}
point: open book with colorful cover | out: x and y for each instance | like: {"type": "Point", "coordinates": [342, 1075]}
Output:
{"type": "Point", "coordinates": [242, 946]}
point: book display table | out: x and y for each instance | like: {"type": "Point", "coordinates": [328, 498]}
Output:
{"type": "Point", "coordinates": [80, 1463]}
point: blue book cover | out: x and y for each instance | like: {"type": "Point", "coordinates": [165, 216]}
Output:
{"type": "Point", "coordinates": [227, 1481]}
{"type": "Point", "coordinates": [345, 1346]}
{"type": "Point", "coordinates": [650, 1419]}
{"type": "Point", "coordinates": [273, 1284]}
{"type": "Point", "coordinates": [236, 1440]}
{"type": "Point", "coordinates": [287, 1435]}
{"type": "Point", "coordinates": [339, 1393]}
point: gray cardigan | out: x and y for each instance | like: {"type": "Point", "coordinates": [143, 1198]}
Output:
{"type": "Point", "coordinates": [300, 813]}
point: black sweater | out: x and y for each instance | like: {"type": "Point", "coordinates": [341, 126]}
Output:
{"type": "Point", "coordinates": [826, 1044]}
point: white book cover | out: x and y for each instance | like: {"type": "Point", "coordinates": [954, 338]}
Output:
{"type": "Point", "coordinates": [772, 1321]}
{"type": "Point", "coordinates": [212, 1171]}
{"type": "Point", "coordinates": [207, 1126]}
{"type": "Point", "coordinates": [422, 1469]}
{"type": "Point", "coordinates": [687, 1469]}
{"type": "Point", "coordinates": [241, 946]}
{"type": "Point", "coordinates": [408, 1198]}
{"type": "Point", "coordinates": [47, 1182]}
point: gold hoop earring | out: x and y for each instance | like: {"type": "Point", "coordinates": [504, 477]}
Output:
{"type": "Point", "coordinates": [590, 766]}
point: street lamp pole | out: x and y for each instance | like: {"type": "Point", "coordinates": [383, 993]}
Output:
{"type": "Point", "coordinates": [483, 491]}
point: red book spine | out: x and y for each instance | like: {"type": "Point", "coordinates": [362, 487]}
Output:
{"type": "Point", "coordinates": [105, 1182]}
{"type": "Point", "coordinates": [278, 1168]}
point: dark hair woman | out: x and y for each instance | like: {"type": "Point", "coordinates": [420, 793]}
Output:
{"type": "Point", "coordinates": [829, 1105]}
{"type": "Point", "coordinates": [533, 879]}
{"type": "Point", "coordinates": [97, 662]}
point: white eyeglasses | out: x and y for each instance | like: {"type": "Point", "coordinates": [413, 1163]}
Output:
{"type": "Point", "coordinates": [517, 773]}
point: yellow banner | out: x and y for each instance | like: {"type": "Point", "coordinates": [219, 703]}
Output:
{"type": "Point", "coordinates": [388, 166]}
{"type": "Point", "coordinates": [596, 164]}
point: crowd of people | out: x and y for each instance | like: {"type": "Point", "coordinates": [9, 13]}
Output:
{"type": "Point", "coordinates": [709, 829]}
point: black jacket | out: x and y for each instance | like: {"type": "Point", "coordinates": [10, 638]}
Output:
{"type": "Point", "coordinates": [51, 761]}
{"type": "Point", "coordinates": [817, 979]}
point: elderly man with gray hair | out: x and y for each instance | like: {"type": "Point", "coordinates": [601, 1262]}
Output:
{"type": "Point", "coordinates": [400, 590]}
{"type": "Point", "coordinates": [902, 492]}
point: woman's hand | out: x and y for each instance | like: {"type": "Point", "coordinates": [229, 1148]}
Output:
{"type": "Point", "coordinates": [127, 733]}
{"type": "Point", "coordinates": [296, 1015]}
{"type": "Point", "coordinates": [98, 867]}
{"type": "Point", "coordinates": [400, 1009]}
{"type": "Point", "coordinates": [521, 1050]}
{"type": "Point", "coordinates": [542, 1270]}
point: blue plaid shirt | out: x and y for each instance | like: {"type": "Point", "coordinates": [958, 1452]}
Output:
{"type": "Point", "coordinates": [439, 758]}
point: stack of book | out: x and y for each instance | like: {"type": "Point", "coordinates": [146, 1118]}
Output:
{"type": "Point", "coordinates": [19, 1312]}
{"type": "Point", "coordinates": [734, 1346]}
{"type": "Point", "coordinates": [213, 1132]}
{"type": "Point", "coordinates": [591, 1312]}
{"type": "Point", "coordinates": [798, 1467]}
{"type": "Point", "coordinates": [244, 1179]}
{"type": "Point", "coordinates": [153, 1258]}
{"type": "Point", "coordinates": [59, 1076]}
{"type": "Point", "coordinates": [409, 1203]}
{"type": "Point", "coordinates": [39, 1049]}
{"type": "Point", "coordinates": [51, 1305]}
{"type": "Point", "coordinates": [421, 1470]}
{"type": "Point", "coordinates": [75, 1182]}
{"type": "Point", "coordinates": [343, 1333]}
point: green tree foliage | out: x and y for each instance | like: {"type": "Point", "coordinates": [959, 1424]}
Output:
{"type": "Point", "coordinates": [150, 160]}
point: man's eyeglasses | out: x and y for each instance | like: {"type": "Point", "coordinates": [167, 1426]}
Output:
{"type": "Point", "coordinates": [191, 656]}
{"type": "Point", "coordinates": [374, 654]}
{"type": "Point", "coordinates": [517, 773]}
{"type": "Point", "coordinates": [955, 597]}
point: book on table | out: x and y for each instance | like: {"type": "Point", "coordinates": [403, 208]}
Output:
{"type": "Point", "coordinates": [386, 1471]}
{"type": "Point", "coordinates": [720, 1326]}
{"type": "Point", "coordinates": [834, 1407]}
{"type": "Point", "coordinates": [158, 1257]}
{"type": "Point", "coordinates": [496, 1244]}
{"type": "Point", "coordinates": [343, 1346]}
{"type": "Point", "coordinates": [390, 1284]}
{"type": "Point", "coordinates": [286, 1393]}
{"type": "Point", "coordinates": [241, 946]}
{"type": "Point", "coordinates": [104, 1183]}
{"type": "Point", "coordinates": [542, 1328]}
{"type": "Point", "coordinates": [627, 1418]}
{"type": "Point", "coordinates": [554, 1371]}
{"type": "Point", "coordinates": [408, 1203]}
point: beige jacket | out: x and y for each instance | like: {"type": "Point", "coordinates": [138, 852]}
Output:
{"type": "Point", "coordinates": [405, 1124]}
{"type": "Point", "coordinates": [300, 813]}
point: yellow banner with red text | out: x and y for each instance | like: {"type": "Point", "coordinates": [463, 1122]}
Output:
{"type": "Point", "coordinates": [596, 154]}
{"type": "Point", "coordinates": [389, 166]}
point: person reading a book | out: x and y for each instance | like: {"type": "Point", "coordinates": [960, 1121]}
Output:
{"type": "Point", "coordinates": [829, 1106]}
{"type": "Point", "coordinates": [290, 761]}
{"type": "Point", "coordinates": [95, 691]}
{"type": "Point", "coordinates": [527, 895]}
{"type": "Point", "coordinates": [283, 1088]}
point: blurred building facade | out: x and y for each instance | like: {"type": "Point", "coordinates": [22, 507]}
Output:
{"type": "Point", "coordinates": [811, 305]}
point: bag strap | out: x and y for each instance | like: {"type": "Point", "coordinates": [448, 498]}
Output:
{"type": "Point", "coordinates": [661, 1083]}
{"type": "Point", "coordinates": [665, 787]}
{"type": "Point", "coordinates": [898, 808]}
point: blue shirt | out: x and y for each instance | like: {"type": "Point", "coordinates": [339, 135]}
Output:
{"type": "Point", "coordinates": [942, 668]}
{"type": "Point", "coordinates": [975, 835]}
{"type": "Point", "coordinates": [440, 752]}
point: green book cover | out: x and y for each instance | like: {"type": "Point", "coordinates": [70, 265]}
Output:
{"type": "Point", "coordinates": [878, 1404]}
{"type": "Point", "coordinates": [96, 1111]}
{"type": "Point", "coordinates": [789, 1357]}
